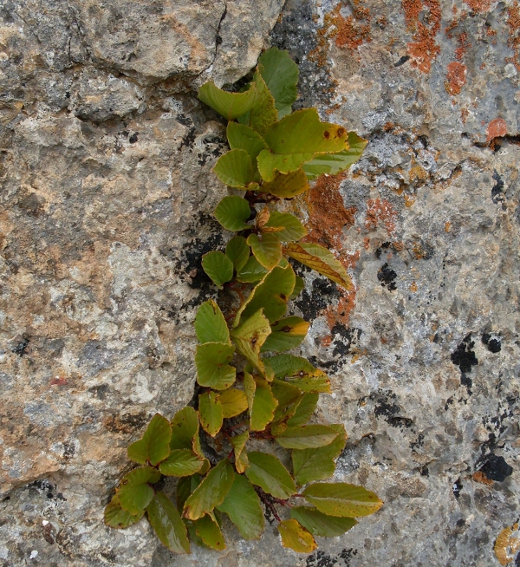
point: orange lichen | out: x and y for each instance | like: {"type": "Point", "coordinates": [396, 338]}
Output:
{"type": "Point", "coordinates": [464, 113]}
{"type": "Point", "coordinates": [507, 544]}
{"type": "Point", "coordinates": [456, 78]}
{"type": "Point", "coordinates": [380, 211]}
{"type": "Point", "coordinates": [423, 49]}
{"type": "Point", "coordinates": [447, 226]}
{"type": "Point", "coordinates": [479, 6]}
{"type": "Point", "coordinates": [351, 32]}
{"type": "Point", "coordinates": [513, 22]}
{"type": "Point", "coordinates": [463, 46]}
{"type": "Point", "coordinates": [340, 313]}
{"type": "Point", "coordinates": [479, 476]}
{"type": "Point", "coordinates": [497, 128]}
{"type": "Point", "coordinates": [413, 287]}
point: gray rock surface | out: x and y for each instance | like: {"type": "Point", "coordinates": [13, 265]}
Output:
{"type": "Point", "coordinates": [106, 200]}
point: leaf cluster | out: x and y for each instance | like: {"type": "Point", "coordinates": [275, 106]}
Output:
{"type": "Point", "coordinates": [251, 389]}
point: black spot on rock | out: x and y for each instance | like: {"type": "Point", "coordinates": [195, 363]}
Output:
{"type": "Point", "coordinates": [496, 468]}
{"type": "Point", "coordinates": [497, 192]}
{"type": "Point", "coordinates": [493, 344]}
{"type": "Point", "coordinates": [21, 348]}
{"type": "Point", "coordinates": [133, 138]}
{"type": "Point", "coordinates": [387, 277]}
{"type": "Point", "coordinates": [457, 488]}
{"type": "Point", "coordinates": [319, 298]}
{"type": "Point", "coordinates": [465, 358]}
{"type": "Point", "coordinates": [386, 406]}
{"type": "Point", "coordinates": [347, 337]}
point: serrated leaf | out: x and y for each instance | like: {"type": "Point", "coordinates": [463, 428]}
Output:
{"type": "Point", "coordinates": [210, 492]}
{"type": "Point", "coordinates": [287, 186]}
{"type": "Point", "coordinates": [342, 499]}
{"type": "Point", "coordinates": [320, 524]}
{"type": "Point", "coordinates": [296, 537]}
{"type": "Point", "coordinates": [306, 436]}
{"type": "Point", "coordinates": [232, 213]}
{"type": "Point", "coordinates": [141, 475]}
{"type": "Point", "coordinates": [239, 443]}
{"type": "Point", "coordinates": [267, 472]}
{"type": "Point", "coordinates": [280, 74]}
{"type": "Point", "coordinates": [252, 271]}
{"type": "Point", "coordinates": [243, 137]}
{"type": "Point", "coordinates": [249, 337]}
{"type": "Point", "coordinates": [210, 411]}
{"type": "Point", "coordinates": [181, 462]}
{"type": "Point", "coordinates": [229, 105]}
{"type": "Point", "coordinates": [244, 509]}
{"type": "Point", "coordinates": [218, 267]}
{"type": "Point", "coordinates": [238, 251]}
{"type": "Point", "coordinates": [233, 402]}
{"type": "Point", "coordinates": [135, 497]}
{"type": "Point", "coordinates": [117, 518]}
{"type": "Point", "coordinates": [235, 169]}
{"type": "Point", "coordinates": [318, 463]}
{"type": "Point", "coordinates": [304, 410]}
{"type": "Point", "coordinates": [296, 139]}
{"type": "Point", "coordinates": [267, 249]}
{"type": "Point", "coordinates": [209, 532]}
{"type": "Point", "coordinates": [293, 229]}
{"type": "Point", "coordinates": [154, 446]}
{"type": "Point", "coordinates": [210, 324]}
{"type": "Point", "coordinates": [263, 114]}
{"type": "Point", "coordinates": [213, 369]}
{"type": "Point", "coordinates": [167, 524]}
{"type": "Point", "coordinates": [185, 425]}
{"type": "Point", "coordinates": [185, 488]}
{"type": "Point", "coordinates": [261, 401]}
{"type": "Point", "coordinates": [271, 295]}
{"type": "Point", "coordinates": [286, 334]}
{"type": "Point", "coordinates": [320, 259]}
{"type": "Point", "coordinates": [332, 164]}
{"type": "Point", "coordinates": [299, 372]}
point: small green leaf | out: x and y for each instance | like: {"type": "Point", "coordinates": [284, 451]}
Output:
{"type": "Point", "coordinates": [181, 462]}
{"type": "Point", "coordinates": [218, 267]}
{"type": "Point", "coordinates": [267, 472]}
{"type": "Point", "coordinates": [211, 415]}
{"type": "Point", "coordinates": [185, 487]}
{"type": "Point", "coordinates": [239, 443]}
{"type": "Point", "coordinates": [135, 497]}
{"type": "Point", "coordinates": [293, 229]}
{"type": "Point", "coordinates": [249, 337]}
{"type": "Point", "coordinates": [306, 436]}
{"type": "Point", "coordinates": [320, 524]}
{"type": "Point", "coordinates": [167, 524]}
{"type": "Point", "coordinates": [242, 137]}
{"type": "Point", "coordinates": [288, 397]}
{"type": "Point", "coordinates": [298, 287]}
{"type": "Point", "coordinates": [229, 105]}
{"type": "Point", "coordinates": [117, 518]}
{"type": "Point", "coordinates": [320, 259]}
{"type": "Point", "coordinates": [332, 164]}
{"type": "Point", "coordinates": [210, 492]}
{"type": "Point", "coordinates": [233, 402]}
{"type": "Point", "coordinates": [287, 185]}
{"type": "Point", "coordinates": [232, 213]}
{"type": "Point", "coordinates": [238, 252]}
{"type": "Point", "coordinates": [267, 249]}
{"type": "Point", "coordinates": [280, 74]}
{"type": "Point", "coordinates": [262, 403]}
{"type": "Point", "coordinates": [252, 271]}
{"type": "Point", "coordinates": [342, 499]}
{"type": "Point", "coordinates": [209, 532]}
{"type": "Point", "coordinates": [154, 446]}
{"type": "Point", "coordinates": [236, 169]}
{"type": "Point", "coordinates": [210, 324]}
{"type": "Point", "coordinates": [213, 369]}
{"type": "Point", "coordinates": [296, 537]}
{"type": "Point", "coordinates": [243, 507]}
{"type": "Point", "coordinates": [304, 410]}
{"type": "Point", "coordinates": [141, 475]}
{"type": "Point", "coordinates": [263, 114]}
{"type": "Point", "coordinates": [299, 372]}
{"type": "Point", "coordinates": [286, 334]}
{"type": "Point", "coordinates": [185, 425]}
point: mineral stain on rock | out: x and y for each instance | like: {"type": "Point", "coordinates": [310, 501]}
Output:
{"type": "Point", "coordinates": [496, 468]}
{"type": "Point", "coordinates": [465, 359]}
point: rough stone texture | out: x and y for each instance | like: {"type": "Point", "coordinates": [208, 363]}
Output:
{"type": "Point", "coordinates": [106, 201]}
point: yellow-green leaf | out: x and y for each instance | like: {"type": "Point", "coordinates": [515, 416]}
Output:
{"type": "Point", "coordinates": [185, 425]}
{"type": "Point", "coordinates": [287, 185]}
{"type": "Point", "coordinates": [238, 251]}
{"type": "Point", "coordinates": [306, 436]}
{"type": "Point", "coordinates": [262, 403]}
{"type": "Point", "coordinates": [229, 105]}
{"type": "Point", "coordinates": [280, 74]}
{"type": "Point", "coordinates": [242, 137]}
{"type": "Point", "coordinates": [218, 267]}
{"type": "Point", "coordinates": [210, 324]}
{"type": "Point", "coordinates": [342, 499]}
{"type": "Point", "coordinates": [117, 518]}
{"type": "Point", "coordinates": [209, 532]}
{"type": "Point", "coordinates": [252, 271]}
{"type": "Point", "coordinates": [135, 497]}
{"type": "Point", "coordinates": [167, 524]}
{"type": "Point", "coordinates": [304, 410]}
{"type": "Point", "coordinates": [267, 472]}
{"type": "Point", "coordinates": [267, 249]}
{"type": "Point", "coordinates": [236, 169]}
{"type": "Point", "coordinates": [213, 369]}
{"type": "Point", "coordinates": [286, 334]}
{"type": "Point", "coordinates": [154, 446]}
{"type": "Point", "coordinates": [249, 337]}
{"type": "Point", "coordinates": [239, 443]}
{"type": "Point", "coordinates": [185, 487]}
{"type": "Point", "coordinates": [232, 213]}
{"type": "Point", "coordinates": [288, 398]}
{"type": "Point", "coordinates": [299, 372]}
{"type": "Point", "coordinates": [320, 524]}
{"type": "Point", "coordinates": [296, 537]}
{"type": "Point", "coordinates": [233, 402]}
{"type": "Point", "coordinates": [263, 114]}
{"type": "Point", "coordinates": [293, 229]}
{"type": "Point", "coordinates": [181, 462]}
{"type": "Point", "coordinates": [210, 411]}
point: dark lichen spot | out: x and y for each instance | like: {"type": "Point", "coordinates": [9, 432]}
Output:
{"type": "Point", "coordinates": [465, 359]}
{"type": "Point", "coordinates": [457, 488]}
{"type": "Point", "coordinates": [133, 138]}
{"type": "Point", "coordinates": [346, 337]}
{"type": "Point", "coordinates": [21, 348]}
{"type": "Point", "coordinates": [387, 277]}
{"type": "Point", "coordinates": [497, 191]}
{"type": "Point", "coordinates": [318, 299]}
{"type": "Point", "coordinates": [496, 468]}
{"type": "Point", "coordinates": [385, 406]}
{"type": "Point", "coordinates": [402, 61]}
{"type": "Point", "coordinates": [493, 344]}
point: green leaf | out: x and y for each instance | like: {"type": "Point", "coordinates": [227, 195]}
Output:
{"type": "Point", "coordinates": [213, 369]}
{"type": "Point", "coordinates": [233, 402]}
{"type": "Point", "coordinates": [267, 472]}
{"type": "Point", "coordinates": [262, 403]}
{"type": "Point", "coordinates": [320, 259]}
{"type": "Point", "coordinates": [286, 334]}
{"type": "Point", "coordinates": [185, 425]}
{"type": "Point", "coordinates": [232, 213]}
{"type": "Point", "coordinates": [218, 267]}
{"type": "Point", "coordinates": [267, 249]}
{"type": "Point", "coordinates": [117, 518]}
{"type": "Point", "coordinates": [242, 137]}
{"type": "Point", "coordinates": [209, 532]}
{"type": "Point", "coordinates": [210, 324]}
{"type": "Point", "coordinates": [280, 74]}
{"type": "Point", "coordinates": [288, 397]}
{"type": "Point", "coordinates": [249, 337]}
{"type": "Point", "coordinates": [263, 114]}
{"type": "Point", "coordinates": [185, 487]}
{"type": "Point", "coordinates": [210, 411]}
{"type": "Point", "coordinates": [293, 229]}
{"type": "Point", "coordinates": [306, 436]}
{"type": "Point", "coordinates": [342, 499]}
{"type": "Point", "coordinates": [154, 446]}
{"type": "Point", "coordinates": [332, 164]}
{"type": "Point", "coordinates": [296, 537]}
{"type": "Point", "coordinates": [299, 372]}
{"type": "Point", "coordinates": [135, 497]}
{"type": "Point", "coordinates": [210, 492]}
{"type": "Point", "coordinates": [320, 524]}
{"type": "Point", "coordinates": [271, 295]}
{"type": "Point", "coordinates": [296, 139]}
{"type": "Point", "coordinates": [141, 475]}
{"type": "Point", "coordinates": [239, 443]}
{"type": "Point", "coordinates": [181, 462]}
{"type": "Point", "coordinates": [238, 251]}
{"type": "Point", "coordinates": [167, 524]}
{"type": "Point", "coordinates": [287, 186]}
{"type": "Point", "coordinates": [252, 271]}
{"type": "Point", "coordinates": [318, 463]}
{"type": "Point", "coordinates": [304, 410]}
{"type": "Point", "coordinates": [243, 507]}
{"type": "Point", "coordinates": [236, 169]}
{"type": "Point", "coordinates": [229, 105]}
{"type": "Point", "coordinates": [298, 287]}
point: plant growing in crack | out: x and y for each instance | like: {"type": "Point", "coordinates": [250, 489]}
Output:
{"type": "Point", "coordinates": [252, 413]}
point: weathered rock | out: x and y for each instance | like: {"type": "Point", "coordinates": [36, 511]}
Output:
{"type": "Point", "coordinates": [107, 194]}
